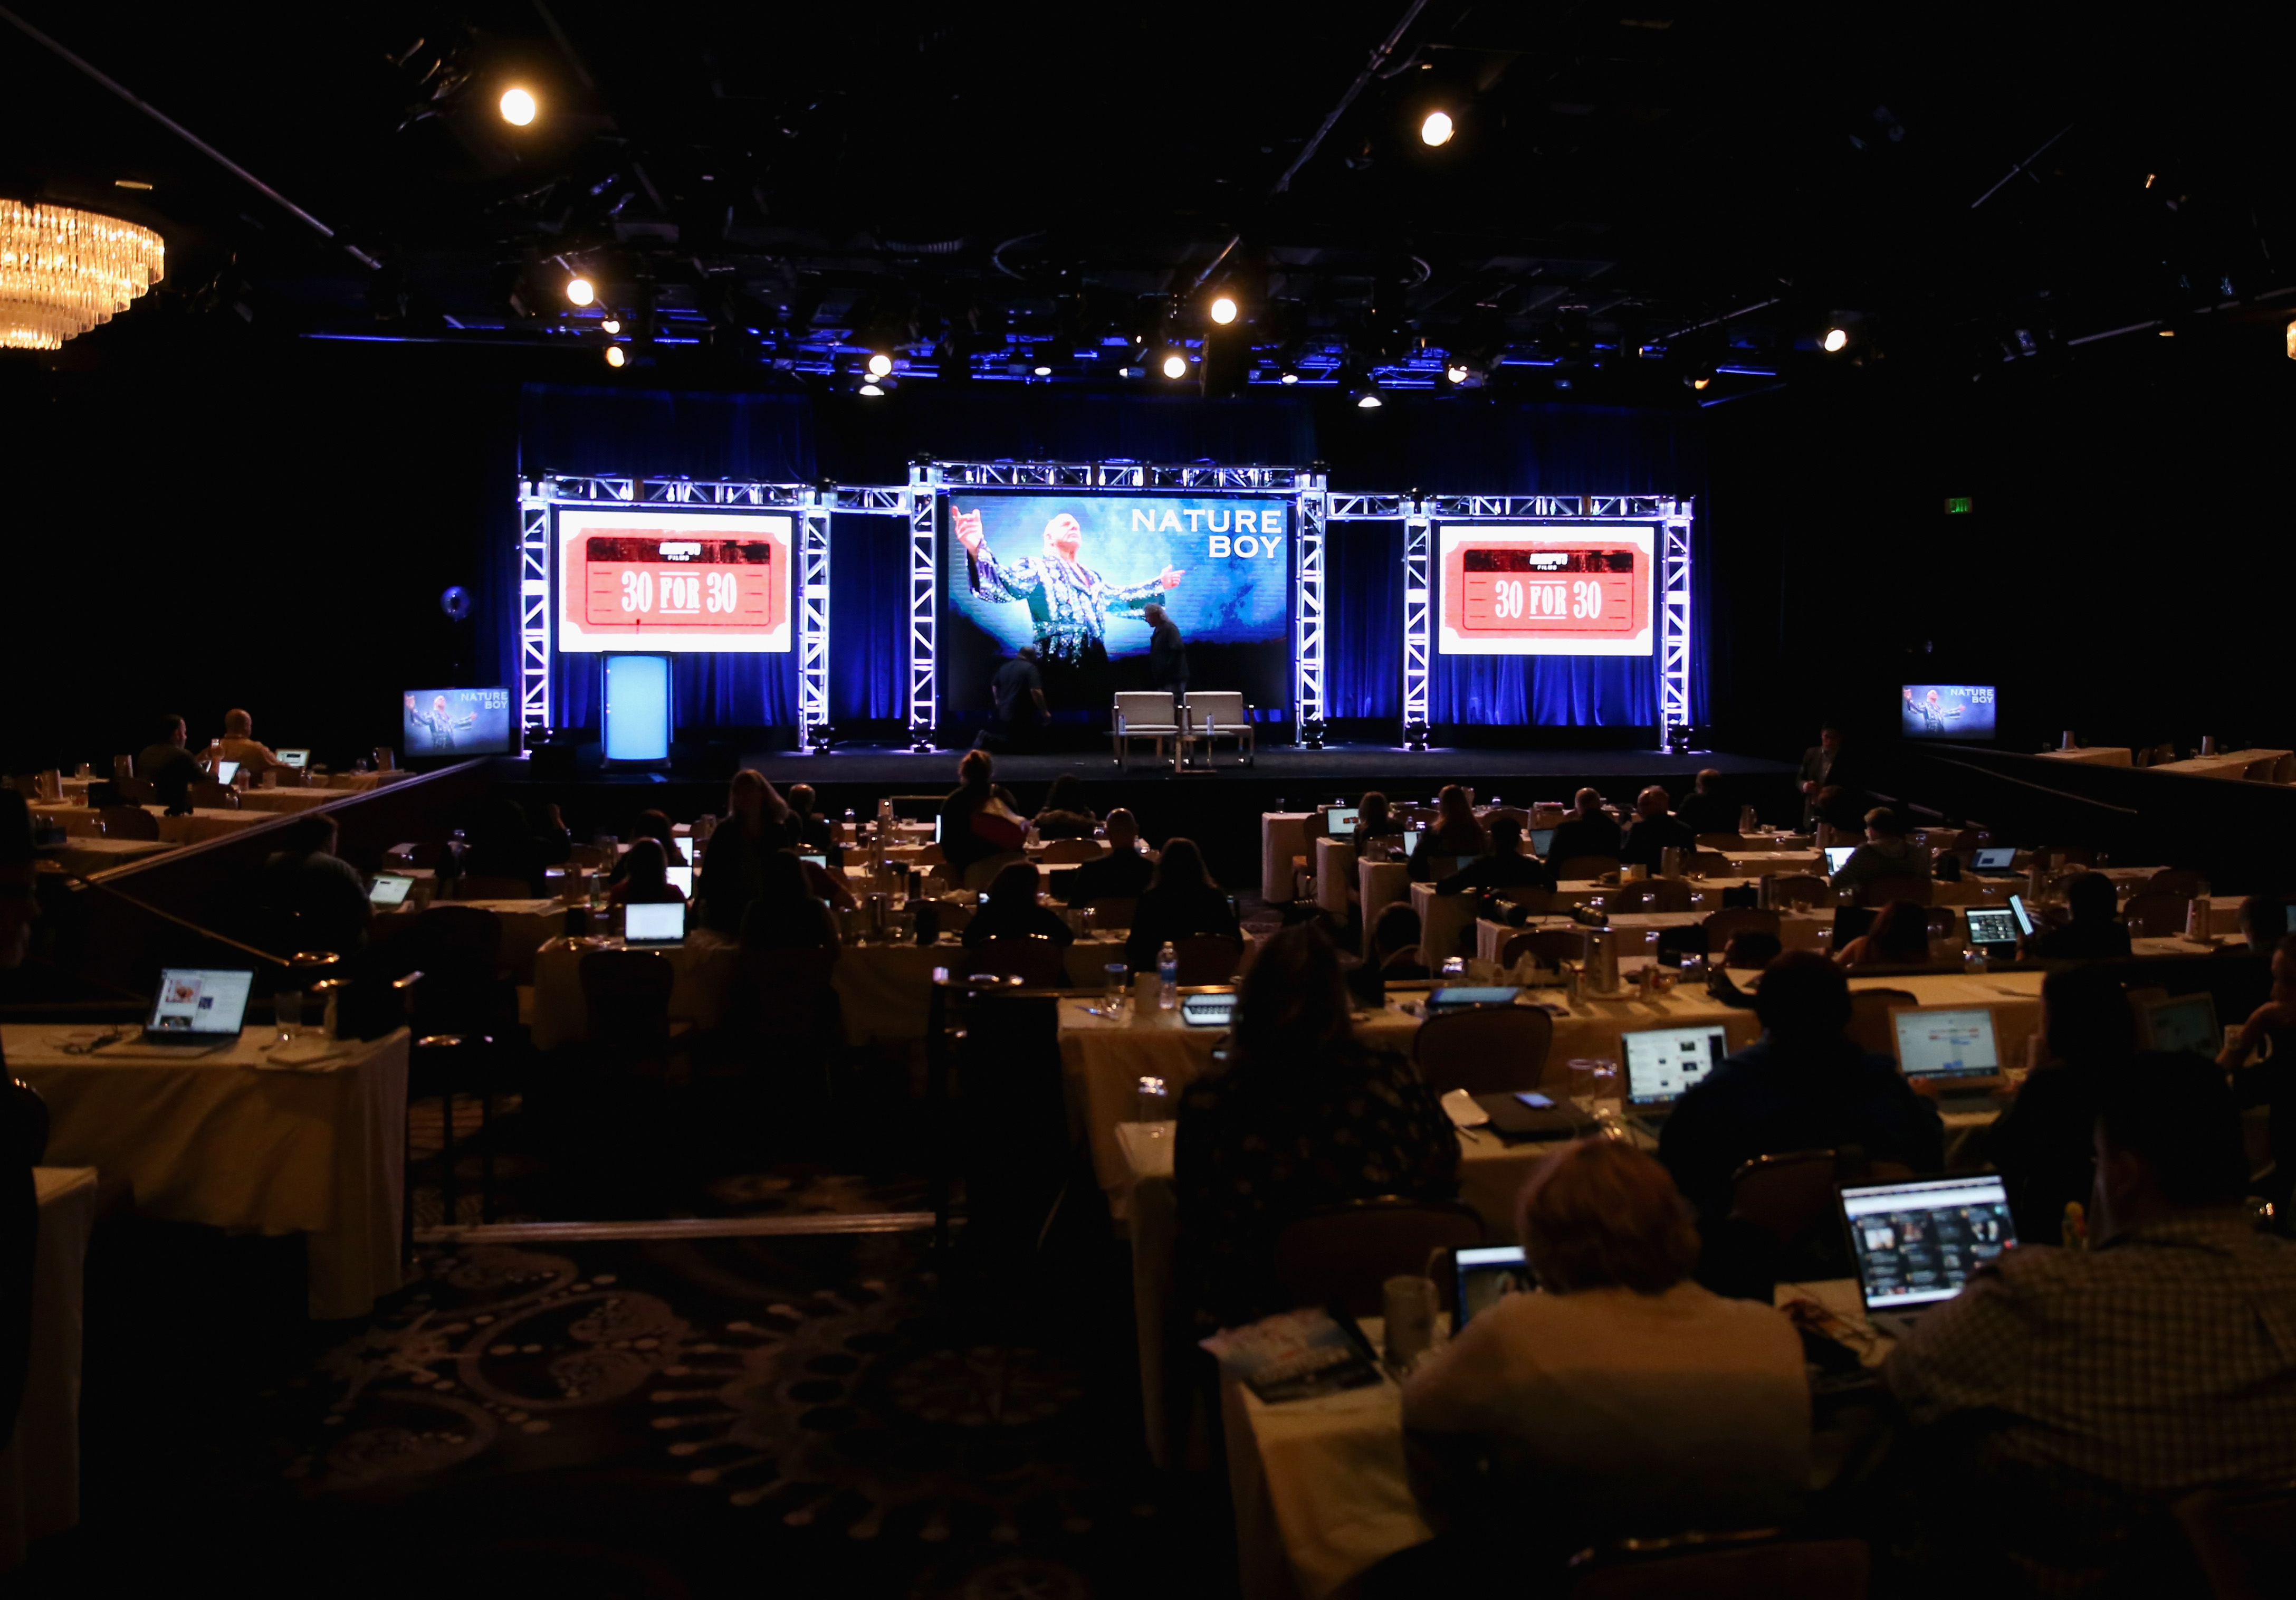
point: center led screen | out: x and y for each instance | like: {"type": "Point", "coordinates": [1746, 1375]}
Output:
{"type": "Point", "coordinates": [640, 578]}
{"type": "Point", "coordinates": [1071, 574]}
{"type": "Point", "coordinates": [1554, 589]}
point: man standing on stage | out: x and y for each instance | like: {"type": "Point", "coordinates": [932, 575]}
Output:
{"type": "Point", "coordinates": [1069, 604]}
{"type": "Point", "coordinates": [1167, 653]}
{"type": "Point", "coordinates": [1818, 764]}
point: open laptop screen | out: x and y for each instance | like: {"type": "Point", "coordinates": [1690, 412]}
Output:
{"type": "Point", "coordinates": [225, 771]}
{"type": "Point", "coordinates": [295, 758]}
{"type": "Point", "coordinates": [681, 879]}
{"type": "Point", "coordinates": [202, 1002]}
{"type": "Point", "coordinates": [1663, 1063]}
{"type": "Point", "coordinates": [1542, 841]}
{"type": "Point", "coordinates": [1991, 926]}
{"type": "Point", "coordinates": [1837, 856]}
{"type": "Point", "coordinates": [653, 923]}
{"type": "Point", "coordinates": [1340, 821]}
{"type": "Point", "coordinates": [2185, 1022]}
{"type": "Point", "coordinates": [1917, 1242]}
{"type": "Point", "coordinates": [1946, 1042]}
{"type": "Point", "coordinates": [1486, 1274]}
{"type": "Point", "coordinates": [389, 890]}
{"type": "Point", "coordinates": [1995, 858]}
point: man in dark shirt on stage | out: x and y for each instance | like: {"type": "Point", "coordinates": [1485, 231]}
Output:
{"type": "Point", "coordinates": [1019, 691]}
{"type": "Point", "coordinates": [1119, 874]}
{"type": "Point", "coordinates": [1167, 653]}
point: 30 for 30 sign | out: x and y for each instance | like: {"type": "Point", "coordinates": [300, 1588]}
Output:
{"type": "Point", "coordinates": [1558, 590]}
{"type": "Point", "coordinates": [676, 581]}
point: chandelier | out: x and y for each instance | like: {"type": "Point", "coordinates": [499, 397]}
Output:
{"type": "Point", "coordinates": [63, 271]}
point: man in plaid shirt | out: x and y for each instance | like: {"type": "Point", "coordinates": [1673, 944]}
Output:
{"type": "Point", "coordinates": [2096, 1386]}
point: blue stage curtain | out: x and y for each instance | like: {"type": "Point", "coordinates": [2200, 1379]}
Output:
{"type": "Point", "coordinates": [868, 619]}
{"type": "Point", "coordinates": [1363, 612]}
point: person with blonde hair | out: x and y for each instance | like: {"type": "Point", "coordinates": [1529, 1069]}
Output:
{"type": "Point", "coordinates": [1618, 1397]}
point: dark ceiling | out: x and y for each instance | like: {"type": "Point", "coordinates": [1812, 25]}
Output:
{"type": "Point", "coordinates": [1637, 196]}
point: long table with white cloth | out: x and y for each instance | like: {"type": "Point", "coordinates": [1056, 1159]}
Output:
{"type": "Point", "coordinates": [39, 1466]}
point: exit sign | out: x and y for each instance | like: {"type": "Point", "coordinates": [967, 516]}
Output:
{"type": "Point", "coordinates": [1959, 505]}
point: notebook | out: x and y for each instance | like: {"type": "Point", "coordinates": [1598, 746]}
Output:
{"type": "Point", "coordinates": [199, 1006]}
{"type": "Point", "coordinates": [1915, 1242]}
{"type": "Point", "coordinates": [387, 892]}
{"type": "Point", "coordinates": [225, 771]}
{"type": "Point", "coordinates": [1995, 861]}
{"type": "Point", "coordinates": [1483, 1275]}
{"type": "Point", "coordinates": [1542, 841]}
{"type": "Point", "coordinates": [297, 759]}
{"type": "Point", "coordinates": [653, 924]}
{"type": "Point", "coordinates": [1837, 856]}
{"type": "Point", "coordinates": [1947, 1048]}
{"type": "Point", "coordinates": [1214, 1008]}
{"type": "Point", "coordinates": [681, 878]}
{"type": "Point", "coordinates": [1992, 926]}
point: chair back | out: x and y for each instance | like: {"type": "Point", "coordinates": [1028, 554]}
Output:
{"type": "Point", "coordinates": [1144, 711]}
{"type": "Point", "coordinates": [1549, 946]}
{"type": "Point", "coordinates": [1835, 1569]}
{"type": "Point", "coordinates": [1533, 898]}
{"type": "Point", "coordinates": [128, 822]}
{"type": "Point", "coordinates": [592, 858]}
{"type": "Point", "coordinates": [1113, 912]}
{"type": "Point", "coordinates": [785, 995]}
{"type": "Point", "coordinates": [1031, 957]}
{"type": "Point", "coordinates": [2152, 916]}
{"type": "Point", "coordinates": [1484, 1050]}
{"type": "Point", "coordinates": [492, 889]}
{"type": "Point", "coordinates": [1221, 710]}
{"type": "Point", "coordinates": [1727, 923]}
{"type": "Point", "coordinates": [2177, 881]}
{"type": "Point", "coordinates": [2244, 1540]}
{"type": "Point", "coordinates": [1343, 1255]}
{"type": "Point", "coordinates": [1945, 923]}
{"type": "Point", "coordinates": [1801, 889]}
{"type": "Point", "coordinates": [1067, 852]}
{"type": "Point", "coordinates": [212, 797]}
{"type": "Point", "coordinates": [1579, 868]}
{"type": "Point", "coordinates": [1786, 1195]}
{"type": "Point", "coordinates": [1208, 957]}
{"type": "Point", "coordinates": [1896, 887]}
{"type": "Point", "coordinates": [1705, 863]}
{"type": "Point", "coordinates": [628, 993]}
{"type": "Point", "coordinates": [1869, 1019]}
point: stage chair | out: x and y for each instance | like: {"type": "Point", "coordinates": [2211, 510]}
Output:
{"type": "Point", "coordinates": [1343, 1255]}
{"type": "Point", "coordinates": [1896, 887]}
{"type": "Point", "coordinates": [1145, 714]}
{"type": "Point", "coordinates": [1581, 868]}
{"type": "Point", "coordinates": [1208, 958]}
{"type": "Point", "coordinates": [1212, 717]}
{"type": "Point", "coordinates": [128, 822]}
{"type": "Point", "coordinates": [1869, 1019]}
{"type": "Point", "coordinates": [2151, 915]}
{"type": "Point", "coordinates": [1484, 1050]}
{"type": "Point", "coordinates": [1031, 957]}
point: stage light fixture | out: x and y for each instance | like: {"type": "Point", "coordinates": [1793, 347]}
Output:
{"type": "Point", "coordinates": [1835, 337]}
{"type": "Point", "coordinates": [614, 356]}
{"type": "Point", "coordinates": [1042, 371]}
{"type": "Point", "coordinates": [2292, 341]}
{"type": "Point", "coordinates": [1455, 371]}
{"type": "Point", "coordinates": [1701, 383]}
{"type": "Point", "coordinates": [1436, 130]}
{"type": "Point", "coordinates": [518, 107]}
{"type": "Point", "coordinates": [1288, 376]}
{"type": "Point", "coordinates": [1224, 309]}
{"type": "Point", "coordinates": [872, 391]}
{"type": "Point", "coordinates": [611, 324]}
{"type": "Point", "coordinates": [1369, 401]}
{"type": "Point", "coordinates": [580, 291]}
{"type": "Point", "coordinates": [1176, 366]}
{"type": "Point", "coordinates": [879, 364]}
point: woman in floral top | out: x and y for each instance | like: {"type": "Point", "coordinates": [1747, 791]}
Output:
{"type": "Point", "coordinates": [1304, 1116]}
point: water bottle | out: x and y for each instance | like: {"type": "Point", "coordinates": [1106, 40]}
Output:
{"type": "Point", "coordinates": [1167, 977]}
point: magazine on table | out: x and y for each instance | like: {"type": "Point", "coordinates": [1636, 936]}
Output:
{"type": "Point", "coordinates": [1297, 1355]}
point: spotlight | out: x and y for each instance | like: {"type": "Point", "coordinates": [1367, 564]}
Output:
{"type": "Point", "coordinates": [579, 291]}
{"type": "Point", "coordinates": [1456, 371]}
{"type": "Point", "coordinates": [2292, 341]}
{"type": "Point", "coordinates": [1176, 366]}
{"type": "Point", "coordinates": [872, 391]}
{"type": "Point", "coordinates": [879, 364]}
{"type": "Point", "coordinates": [614, 357]}
{"type": "Point", "coordinates": [1415, 734]}
{"type": "Point", "coordinates": [1369, 401]}
{"type": "Point", "coordinates": [1289, 377]}
{"type": "Point", "coordinates": [1701, 383]}
{"type": "Point", "coordinates": [1835, 337]}
{"type": "Point", "coordinates": [1224, 310]}
{"type": "Point", "coordinates": [1437, 129]}
{"type": "Point", "coordinates": [1042, 371]}
{"type": "Point", "coordinates": [518, 107]}
{"type": "Point", "coordinates": [611, 324]}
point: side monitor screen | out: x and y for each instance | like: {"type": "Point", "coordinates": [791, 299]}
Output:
{"type": "Point", "coordinates": [454, 722]}
{"type": "Point", "coordinates": [1948, 711]}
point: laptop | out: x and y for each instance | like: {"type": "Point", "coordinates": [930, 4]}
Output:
{"type": "Point", "coordinates": [1948, 1049]}
{"type": "Point", "coordinates": [1993, 929]}
{"type": "Point", "coordinates": [225, 771]}
{"type": "Point", "coordinates": [386, 892]}
{"type": "Point", "coordinates": [653, 924]}
{"type": "Point", "coordinates": [2180, 1022]}
{"type": "Point", "coordinates": [1995, 861]}
{"type": "Point", "coordinates": [201, 1007]}
{"type": "Point", "coordinates": [1837, 856]}
{"type": "Point", "coordinates": [1483, 1274]}
{"type": "Point", "coordinates": [1542, 841]}
{"type": "Point", "coordinates": [1915, 1242]}
{"type": "Point", "coordinates": [1340, 821]}
{"type": "Point", "coordinates": [1464, 999]}
{"type": "Point", "coordinates": [1663, 1063]}
{"type": "Point", "coordinates": [297, 759]}
{"type": "Point", "coordinates": [815, 858]}
{"type": "Point", "coordinates": [681, 878]}
{"type": "Point", "coordinates": [1208, 1008]}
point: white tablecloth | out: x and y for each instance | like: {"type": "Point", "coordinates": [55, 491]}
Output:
{"type": "Point", "coordinates": [39, 1469]}
{"type": "Point", "coordinates": [88, 857]}
{"type": "Point", "coordinates": [225, 1141]}
{"type": "Point", "coordinates": [275, 801]}
{"type": "Point", "coordinates": [2264, 766]}
{"type": "Point", "coordinates": [1283, 834]}
{"type": "Point", "coordinates": [1335, 871]}
{"type": "Point", "coordinates": [2095, 755]}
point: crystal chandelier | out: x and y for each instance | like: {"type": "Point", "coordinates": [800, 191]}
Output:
{"type": "Point", "coordinates": [63, 271]}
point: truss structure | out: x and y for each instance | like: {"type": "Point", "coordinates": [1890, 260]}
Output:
{"type": "Point", "coordinates": [922, 503]}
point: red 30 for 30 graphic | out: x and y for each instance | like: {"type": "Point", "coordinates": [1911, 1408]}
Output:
{"type": "Point", "coordinates": [1570, 590]}
{"type": "Point", "coordinates": [702, 581]}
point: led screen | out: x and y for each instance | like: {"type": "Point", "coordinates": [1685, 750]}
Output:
{"type": "Point", "coordinates": [640, 578]}
{"type": "Point", "coordinates": [454, 722]}
{"type": "Point", "coordinates": [1948, 711]}
{"type": "Point", "coordinates": [1071, 574]}
{"type": "Point", "coordinates": [1558, 589]}
{"type": "Point", "coordinates": [637, 720]}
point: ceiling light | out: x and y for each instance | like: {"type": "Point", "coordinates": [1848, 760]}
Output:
{"type": "Point", "coordinates": [1042, 371]}
{"type": "Point", "coordinates": [2292, 341]}
{"type": "Point", "coordinates": [879, 364]}
{"type": "Point", "coordinates": [2167, 333]}
{"type": "Point", "coordinates": [68, 270]}
{"type": "Point", "coordinates": [1289, 376]}
{"type": "Point", "coordinates": [1224, 310]}
{"type": "Point", "coordinates": [518, 107]}
{"type": "Point", "coordinates": [1176, 366]}
{"type": "Point", "coordinates": [1369, 401]}
{"type": "Point", "coordinates": [613, 324]}
{"type": "Point", "coordinates": [614, 357]}
{"type": "Point", "coordinates": [1700, 382]}
{"type": "Point", "coordinates": [1128, 371]}
{"type": "Point", "coordinates": [1834, 339]}
{"type": "Point", "coordinates": [1456, 371]}
{"type": "Point", "coordinates": [129, 183]}
{"type": "Point", "coordinates": [581, 291]}
{"type": "Point", "coordinates": [872, 391]}
{"type": "Point", "coordinates": [1436, 130]}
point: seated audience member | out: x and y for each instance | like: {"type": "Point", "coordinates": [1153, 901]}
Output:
{"type": "Point", "coordinates": [1455, 832]}
{"type": "Point", "coordinates": [1587, 830]}
{"type": "Point", "coordinates": [1654, 831]}
{"type": "Point", "coordinates": [783, 914]}
{"type": "Point", "coordinates": [239, 745]}
{"type": "Point", "coordinates": [1394, 945]}
{"type": "Point", "coordinates": [167, 767]}
{"type": "Point", "coordinates": [314, 891]}
{"type": "Point", "coordinates": [1751, 950]}
{"type": "Point", "coordinates": [2078, 1393]}
{"type": "Point", "coordinates": [1122, 875]}
{"type": "Point", "coordinates": [1899, 937]}
{"type": "Point", "coordinates": [1503, 866]}
{"type": "Point", "coordinates": [2094, 932]}
{"type": "Point", "coordinates": [654, 825]}
{"type": "Point", "coordinates": [1618, 1399]}
{"type": "Point", "coordinates": [2263, 920]}
{"type": "Point", "coordinates": [1704, 809]}
{"type": "Point", "coordinates": [1011, 911]}
{"type": "Point", "coordinates": [1373, 820]}
{"type": "Point", "coordinates": [1801, 1085]}
{"type": "Point", "coordinates": [979, 827]}
{"type": "Point", "coordinates": [2271, 1028]}
{"type": "Point", "coordinates": [1180, 900]}
{"type": "Point", "coordinates": [1304, 1115]}
{"type": "Point", "coordinates": [812, 828]}
{"type": "Point", "coordinates": [644, 877]}
{"type": "Point", "coordinates": [743, 851]}
{"type": "Point", "coordinates": [1064, 815]}
{"type": "Point", "coordinates": [499, 843]}
{"type": "Point", "coordinates": [2045, 1144]}
{"type": "Point", "coordinates": [1886, 853]}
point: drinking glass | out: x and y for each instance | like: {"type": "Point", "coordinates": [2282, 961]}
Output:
{"type": "Point", "coordinates": [1593, 1083]}
{"type": "Point", "coordinates": [1111, 998]}
{"type": "Point", "coordinates": [1153, 1100]}
{"type": "Point", "coordinates": [287, 1007]}
{"type": "Point", "coordinates": [1825, 939]}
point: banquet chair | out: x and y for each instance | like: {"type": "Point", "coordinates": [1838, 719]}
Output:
{"type": "Point", "coordinates": [1548, 946]}
{"type": "Point", "coordinates": [1484, 1049]}
{"type": "Point", "coordinates": [1114, 913]}
{"type": "Point", "coordinates": [1896, 887]}
{"type": "Point", "coordinates": [627, 993]}
{"type": "Point", "coordinates": [2177, 881]}
{"type": "Point", "coordinates": [993, 1089]}
{"type": "Point", "coordinates": [2244, 1540]}
{"type": "Point", "coordinates": [1756, 1562]}
{"type": "Point", "coordinates": [1343, 1255]}
{"type": "Point", "coordinates": [1208, 958]}
{"type": "Point", "coordinates": [128, 822]}
{"type": "Point", "coordinates": [1869, 1019]}
{"type": "Point", "coordinates": [1063, 852]}
{"type": "Point", "coordinates": [2151, 915]}
{"type": "Point", "coordinates": [1659, 894]}
{"type": "Point", "coordinates": [1145, 714]}
{"type": "Point", "coordinates": [1801, 891]}
{"type": "Point", "coordinates": [212, 797]}
{"type": "Point", "coordinates": [1031, 957]}
{"type": "Point", "coordinates": [1726, 924]}
{"type": "Point", "coordinates": [1579, 868]}
{"type": "Point", "coordinates": [1213, 716]}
